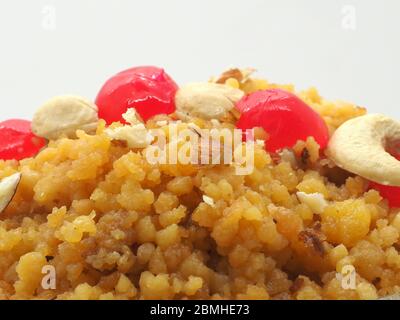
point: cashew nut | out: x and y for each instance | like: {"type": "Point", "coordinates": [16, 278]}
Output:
{"type": "Point", "coordinates": [8, 187]}
{"type": "Point", "coordinates": [358, 146]}
{"type": "Point", "coordinates": [206, 100]}
{"type": "Point", "coordinates": [63, 115]}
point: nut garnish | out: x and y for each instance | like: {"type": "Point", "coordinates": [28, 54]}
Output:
{"type": "Point", "coordinates": [206, 100]}
{"type": "Point", "coordinates": [63, 115]}
{"type": "Point", "coordinates": [313, 240]}
{"type": "Point", "coordinates": [315, 201]}
{"type": "Point", "coordinates": [288, 156]}
{"type": "Point", "coordinates": [260, 142]}
{"type": "Point", "coordinates": [209, 201]}
{"type": "Point", "coordinates": [359, 146]}
{"type": "Point", "coordinates": [162, 123]}
{"type": "Point", "coordinates": [215, 123]}
{"type": "Point", "coordinates": [132, 117]}
{"type": "Point", "coordinates": [231, 73]}
{"type": "Point", "coordinates": [135, 135]}
{"type": "Point", "coordinates": [241, 75]}
{"type": "Point", "coordinates": [8, 187]}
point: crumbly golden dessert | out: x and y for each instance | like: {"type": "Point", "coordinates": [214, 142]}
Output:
{"type": "Point", "coordinates": [112, 225]}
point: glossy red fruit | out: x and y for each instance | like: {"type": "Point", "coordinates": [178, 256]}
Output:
{"type": "Point", "coordinates": [392, 194]}
{"type": "Point", "coordinates": [284, 116]}
{"type": "Point", "coordinates": [150, 90]}
{"type": "Point", "coordinates": [17, 140]}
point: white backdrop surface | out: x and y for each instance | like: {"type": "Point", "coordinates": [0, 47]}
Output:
{"type": "Point", "coordinates": [348, 49]}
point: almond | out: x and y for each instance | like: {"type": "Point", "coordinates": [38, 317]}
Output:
{"type": "Point", "coordinates": [63, 115]}
{"type": "Point", "coordinates": [206, 100]}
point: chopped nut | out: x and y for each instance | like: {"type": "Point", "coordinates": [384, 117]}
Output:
{"type": "Point", "coordinates": [315, 201]}
{"type": "Point", "coordinates": [132, 117]}
{"type": "Point", "coordinates": [8, 187]}
{"type": "Point", "coordinates": [206, 100]}
{"type": "Point", "coordinates": [241, 75]}
{"type": "Point", "coordinates": [136, 136]}
{"type": "Point", "coordinates": [313, 240]}
{"type": "Point", "coordinates": [246, 73]}
{"type": "Point", "coordinates": [288, 156]}
{"type": "Point", "coordinates": [162, 123]}
{"type": "Point", "coordinates": [231, 73]}
{"type": "Point", "coordinates": [63, 115]}
{"type": "Point", "coordinates": [209, 200]}
{"type": "Point", "coordinates": [327, 163]}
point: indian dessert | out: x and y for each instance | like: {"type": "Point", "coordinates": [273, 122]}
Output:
{"type": "Point", "coordinates": [232, 188]}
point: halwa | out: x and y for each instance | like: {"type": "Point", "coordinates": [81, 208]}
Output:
{"type": "Point", "coordinates": [114, 226]}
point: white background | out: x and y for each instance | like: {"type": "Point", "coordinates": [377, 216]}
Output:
{"type": "Point", "coordinates": [50, 47]}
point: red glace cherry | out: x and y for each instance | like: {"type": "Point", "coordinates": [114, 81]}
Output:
{"type": "Point", "coordinates": [284, 116]}
{"type": "Point", "coordinates": [17, 140]}
{"type": "Point", "coordinates": [150, 90]}
{"type": "Point", "coordinates": [391, 193]}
